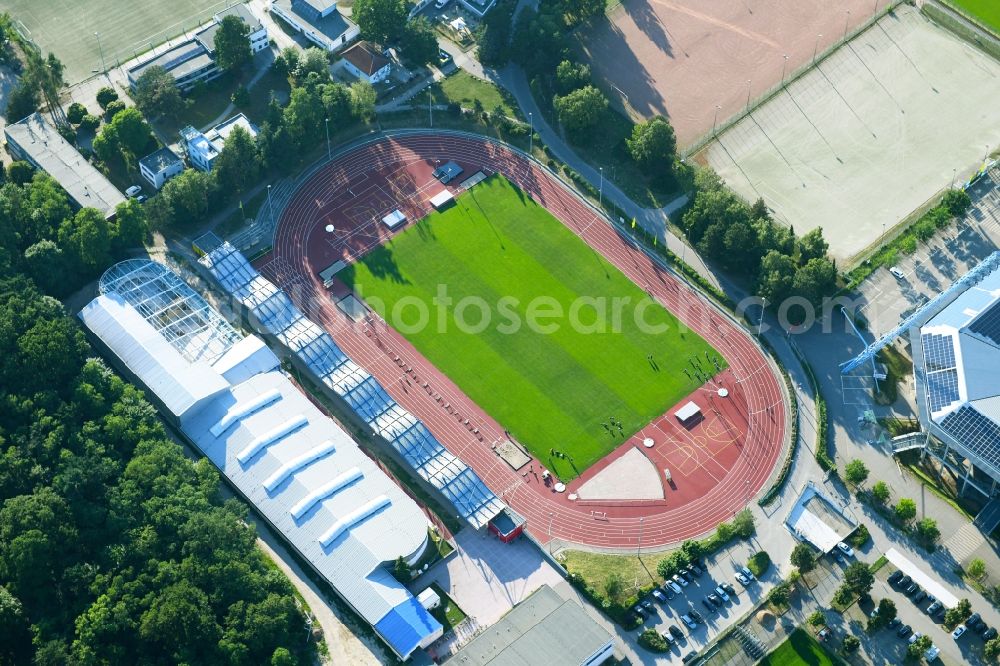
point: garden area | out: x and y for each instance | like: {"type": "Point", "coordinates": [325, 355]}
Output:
{"type": "Point", "coordinates": [800, 648]}
{"type": "Point", "coordinates": [448, 613]}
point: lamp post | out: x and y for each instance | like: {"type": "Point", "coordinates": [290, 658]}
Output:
{"type": "Point", "coordinates": [716, 119]}
{"type": "Point", "coordinates": [329, 155]}
{"type": "Point", "coordinates": [550, 533]}
{"type": "Point", "coordinates": [600, 190]}
{"type": "Point", "coordinates": [638, 549]}
{"type": "Point", "coordinates": [760, 324]}
{"type": "Point", "coordinates": [847, 22]}
{"type": "Point", "coordinates": [954, 174]}
{"type": "Point", "coordinates": [270, 207]}
{"type": "Point", "coordinates": [784, 66]}
{"type": "Point", "coordinates": [748, 94]}
{"type": "Point", "coordinates": [104, 67]}
{"type": "Point", "coordinates": [816, 47]}
{"type": "Point", "coordinates": [531, 132]}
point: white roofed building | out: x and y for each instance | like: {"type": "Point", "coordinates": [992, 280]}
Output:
{"type": "Point", "coordinates": [300, 470]}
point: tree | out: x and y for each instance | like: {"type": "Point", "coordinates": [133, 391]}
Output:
{"type": "Point", "coordinates": [813, 245]}
{"type": "Point", "coordinates": [113, 108]}
{"type": "Point", "coordinates": [493, 35]}
{"type": "Point", "coordinates": [15, 636]}
{"type": "Point", "coordinates": [286, 62]}
{"type": "Point", "coordinates": [570, 76]}
{"type": "Point", "coordinates": [991, 649]}
{"type": "Point", "coordinates": [238, 165]}
{"type": "Point", "coordinates": [614, 587]}
{"type": "Point", "coordinates": [779, 594]}
{"type": "Point", "coordinates": [956, 202]}
{"type": "Point", "coordinates": [816, 279]}
{"type": "Point", "coordinates": [884, 614]}
{"type": "Point", "coordinates": [241, 97]}
{"type": "Point", "coordinates": [105, 96]}
{"type": "Point", "coordinates": [75, 113]}
{"type": "Point", "coordinates": [927, 531]}
{"type": "Point", "coordinates": [87, 239]}
{"type": "Point", "coordinates": [803, 557]}
{"type": "Point", "coordinates": [363, 100]}
{"type": "Point", "coordinates": [314, 63]}
{"type": "Point", "coordinates": [850, 643]}
{"type": "Point", "coordinates": [743, 524]}
{"type": "Point", "coordinates": [232, 43]}
{"type": "Point", "coordinates": [859, 577]}
{"type": "Point", "coordinates": [130, 226]}
{"type": "Point", "coordinates": [581, 109]}
{"type": "Point", "coordinates": [652, 145]}
{"type": "Point", "coordinates": [156, 94]}
{"type": "Point", "coordinates": [20, 172]}
{"type": "Point", "coordinates": [906, 509]}
{"type": "Point", "coordinates": [759, 562]}
{"type": "Point", "coordinates": [401, 570]}
{"type": "Point", "coordinates": [107, 145]}
{"type": "Point", "coordinates": [134, 133]}
{"type": "Point", "coordinates": [880, 492]}
{"type": "Point", "coordinates": [282, 657]}
{"type": "Point", "coordinates": [916, 649]}
{"type": "Point", "coordinates": [817, 619]}
{"type": "Point", "coordinates": [954, 616]}
{"type": "Point", "coordinates": [693, 549]}
{"type": "Point", "coordinates": [22, 101]}
{"type": "Point", "coordinates": [578, 11]}
{"type": "Point", "coordinates": [45, 263]}
{"type": "Point", "coordinates": [419, 42]}
{"type": "Point", "coordinates": [380, 21]}
{"type": "Point", "coordinates": [89, 123]}
{"type": "Point", "coordinates": [856, 472]}
{"type": "Point", "coordinates": [976, 569]}
{"type": "Point", "coordinates": [776, 277]}
{"type": "Point", "coordinates": [653, 641]}
{"type": "Point", "coordinates": [188, 195]}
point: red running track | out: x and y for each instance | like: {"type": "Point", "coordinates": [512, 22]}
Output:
{"type": "Point", "coordinates": [366, 182]}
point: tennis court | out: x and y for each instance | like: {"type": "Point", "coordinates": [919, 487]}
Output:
{"type": "Point", "coordinates": [868, 135]}
{"type": "Point", "coordinates": [67, 27]}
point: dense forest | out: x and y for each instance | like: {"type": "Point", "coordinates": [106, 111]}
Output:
{"type": "Point", "coordinates": [115, 548]}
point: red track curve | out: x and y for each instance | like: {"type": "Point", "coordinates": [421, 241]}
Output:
{"type": "Point", "coordinates": [301, 250]}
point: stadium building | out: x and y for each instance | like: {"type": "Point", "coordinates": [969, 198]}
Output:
{"type": "Point", "coordinates": [300, 470]}
{"type": "Point", "coordinates": [956, 360]}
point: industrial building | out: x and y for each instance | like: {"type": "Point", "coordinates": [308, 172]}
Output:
{"type": "Point", "coordinates": [226, 394]}
{"type": "Point", "coordinates": [40, 144]}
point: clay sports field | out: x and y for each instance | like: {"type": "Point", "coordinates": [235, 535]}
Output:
{"type": "Point", "coordinates": [520, 232]}
{"type": "Point", "coordinates": [682, 58]}
{"type": "Point", "coordinates": [870, 134]}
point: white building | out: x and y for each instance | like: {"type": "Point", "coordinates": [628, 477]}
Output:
{"type": "Point", "coordinates": [203, 148]}
{"type": "Point", "coordinates": [365, 62]}
{"type": "Point", "coordinates": [319, 21]}
{"type": "Point", "coordinates": [160, 166]}
{"type": "Point", "coordinates": [301, 472]}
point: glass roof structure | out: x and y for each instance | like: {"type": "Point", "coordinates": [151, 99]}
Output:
{"type": "Point", "coordinates": [173, 308]}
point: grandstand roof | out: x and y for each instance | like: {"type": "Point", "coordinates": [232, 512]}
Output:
{"type": "Point", "coordinates": [300, 470]}
{"type": "Point", "coordinates": [277, 315]}
{"type": "Point", "coordinates": [958, 359]}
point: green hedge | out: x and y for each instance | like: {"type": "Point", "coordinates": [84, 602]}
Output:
{"type": "Point", "coordinates": [786, 467]}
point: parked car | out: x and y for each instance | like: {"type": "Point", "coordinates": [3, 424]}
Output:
{"type": "Point", "coordinates": [444, 57]}
{"type": "Point", "coordinates": [141, 198]}
{"type": "Point", "coordinates": [673, 586]}
{"type": "Point", "coordinates": [667, 591]}
{"type": "Point", "coordinates": [708, 605]}
{"type": "Point", "coordinates": [659, 596]}
{"type": "Point", "coordinates": [686, 573]}
{"type": "Point", "coordinates": [697, 616]}
{"type": "Point", "coordinates": [959, 631]}
{"type": "Point", "coordinates": [911, 588]}
{"type": "Point", "coordinates": [934, 608]}
{"type": "Point", "coordinates": [742, 580]}
{"type": "Point", "coordinates": [677, 579]}
{"type": "Point", "coordinates": [919, 596]}
{"type": "Point", "coordinates": [845, 549]}
{"type": "Point", "coordinates": [689, 621]}
{"type": "Point", "coordinates": [904, 582]}
{"type": "Point", "coordinates": [441, 4]}
{"type": "Point", "coordinates": [695, 569]}
{"type": "Point", "coordinates": [904, 631]}
{"type": "Point", "coordinates": [874, 613]}
{"type": "Point", "coordinates": [914, 637]}
{"type": "Point", "coordinates": [667, 637]}
{"type": "Point", "coordinates": [895, 577]}
{"type": "Point", "coordinates": [714, 598]}
{"type": "Point", "coordinates": [973, 621]}
{"type": "Point", "coordinates": [931, 653]}
{"type": "Point", "coordinates": [989, 634]}
{"type": "Point", "coordinates": [640, 611]}
{"type": "Point", "coordinates": [133, 191]}
{"type": "Point", "coordinates": [984, 629]}
{"type": "Point", "coordinates": [676, 631]}
{"type": "Point", "coordinates": [894, 622]}
{"type": "Point", "coordinates": [749, 574]}
{"type": "Point", "coordinates": [730, 589]}
{"type": "Point", "coordinates": [721, 591]}
{"type": "Point", "coordinates": [690, 656]}
{"type": "Point", "coordinates": [896, 273]}
{"type": "Point", "coordinates": [647, 605]}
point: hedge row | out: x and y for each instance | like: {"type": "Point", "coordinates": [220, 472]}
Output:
{"type": "Point", "coordinates": [779, 483]}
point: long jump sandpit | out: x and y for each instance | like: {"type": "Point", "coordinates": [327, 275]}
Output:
{"type": "Point", "coordinates": [869, 134]}
{"type": "Point", "coordinates": [682, 58]}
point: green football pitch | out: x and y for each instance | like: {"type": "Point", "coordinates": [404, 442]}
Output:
{"type": "Point", "coordinates": [497, 252]}
{"type": "Point", "coordinates": [800, 649]}
{"type": "Point", "coordinates": [987, 11]}
{"type": "Point", "coordinates": [66, 27]}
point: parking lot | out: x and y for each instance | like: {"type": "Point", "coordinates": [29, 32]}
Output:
{"type": "Point", "coordinates": [669, 612]}
{"type": "Point", "coordinates": [886, 645]}
{"type": "Point", "coordinates": [936, 264]}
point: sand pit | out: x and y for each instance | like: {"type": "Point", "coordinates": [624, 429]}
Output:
{"type": "Point", "coordinates": [682, 58]}
{"type": "Point", "coordinates": [869, 135]}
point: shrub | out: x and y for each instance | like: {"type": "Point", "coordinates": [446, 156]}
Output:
{"type": "Point", "coordinates": [976, 569]}
{"type": "Point", "coordinates": [76, 112]}
{"type": "Point", "coordinates": [20, 172]}
{"type": "Point", "coordinates": [653, 641]}
{"type": "Point", "coordinates": [817, 619]}
{"type": "Point", "coordinates": [241, 97]}
{"type": "Point", "coordinates": [89, 123]}
{"type": "Point", "coordinates": [743, 524]}
{"type": "Point", "coordinates": [779, 594]}
{"type": "Point", "coordinates": [953, 616]}
{"type": "Point", "coordinates": [880, 492]}
{"type": "Point", "coordinates": [113, 108]}
{"type": "Point", "coordinates": [105, 96]}
{"type": "Point", "coordinates": [803, 557]}
{"type": "Point", "coordinates": [956, 202]}
{"type": "Point", "coordinates": [844, 595]}
{"type": "Point", "coordinates": [856, 472]}
{"type": "Point", "coordinates": [906, 509]}
{"type": "Point", "coordinates": [850, 644]}
{"type": "Point", "coordinates": [860, 537]}
{"type": "Point", "coordinates": [759, 562]}
{"type": "Point", "coordinates": [928, 532]}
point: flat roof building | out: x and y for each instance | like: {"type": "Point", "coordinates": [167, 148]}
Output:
{"type": "Point", "coordinates": [159, 166]}
{"type": "Point", "coordinates": [300, 470]}
{"type": "Point", "coordinates": [39, 143]}
{"type": "Point", "coordinates": [319, 21]}
{"type": "Point", "coordinates": [203, 148]}
{"type": "Point", "coordinates": [542, 629]}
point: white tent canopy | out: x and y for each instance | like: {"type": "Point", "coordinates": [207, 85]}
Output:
{"type": "Point", "coordinates": [924, 580]}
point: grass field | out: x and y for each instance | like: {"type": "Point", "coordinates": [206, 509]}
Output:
{"type": "Point", "coordinates": [448, 613]}
{"type": "Point", "coordinates": [800, 648]}
{"type": "Point", "coordinates": [550, 389]}
{"type": "Point", "coordinates": [987, 11]}
{"type": "Point", "coordinates": [67, 28]}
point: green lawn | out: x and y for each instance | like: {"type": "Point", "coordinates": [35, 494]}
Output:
{"type": "Point", "coordinates": [800, 648]}
{"type": "Point", "coordinates": [552, 389]}
{"type": "Point", "coordinates": [463, 88]}
{"type": "Point", "coordinates": [987, 11]}
{"type": "Point", "coordinates": [448, 613]}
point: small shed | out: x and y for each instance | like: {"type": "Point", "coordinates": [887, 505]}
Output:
{"type": "Point", "coordinates": [688, 413]}
{"type": "Point", "coordinates": [447, 172]}
{"type": "Point", "coordinates": [442, 199]}
{"type": "Point", "coordinates": [394, 219]}
{"type": "Point", "coordinates": [429, 599]}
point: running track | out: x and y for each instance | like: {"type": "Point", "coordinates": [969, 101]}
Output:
{"type": "Point", "coordinates": [301, 250]}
